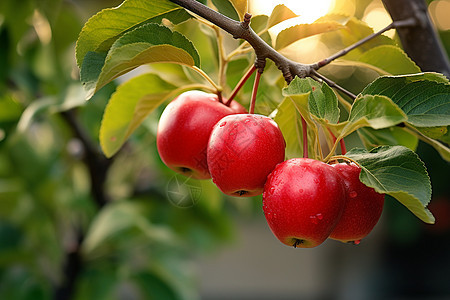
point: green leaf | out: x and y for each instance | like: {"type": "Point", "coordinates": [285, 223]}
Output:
{"type": "Point", "coordinates": [259, 25]}
{"type": "Point", "coordinates": [241, 7]}
{"type": "Point", "coordinates": [391, 59]}
{"type": "Point", "coordinates": [128, 107]}
{"type": "Point", "coordinates": [289, 113]}
{"type": "Point", "coordinates": [434, 132]}
{"type": "Point", "coordinates": [393, 136]}
{"type": "Point", "coordinates": [150, 43]}
{"type": "Point", "coordinates": [301, 31]}
{"type": "Point", "coordinates": [226, 8]}
{"type": "Point", "coordinates": [355, 30]}
{"type": "Point", "coordinates": [118, 218]}
{"type": "Point", "coordinates": [340, 18]}
{"type": "Point", "coordinates": [10, 109]}
{"type": "Point", "coordinates": [104, 28]}
{"type": "Point", "coordinates": [398, 172]}
{"type": "Point", "coordinates": [323, 102]}
{"type": "Point", "coordinates": [424, 97]}
{"type": "Point", "coordinates": [154, 286]}
{"type": "Point", "coordinates": [279, 14]}
{"type": "Point", "coordinates": [289, 121]}
{"type": "Point", "coordinates": [376, 112]}
{"type": "Point", "coordinates": [442, 149]}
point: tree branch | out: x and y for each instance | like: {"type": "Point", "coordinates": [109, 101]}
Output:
{"type": "Point", "coordinates": [242, 30]}
{"type": "Point", "coordinates": [420, 42]}
{"type": "Point", "coordinates": [97, 164]}
{"type": "Point", "coordinates": [98, 167]}
{"type": "Point", "coordinates": [395, 24]}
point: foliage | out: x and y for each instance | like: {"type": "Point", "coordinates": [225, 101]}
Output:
{"type": "Point", "coordinates": [48, 200]}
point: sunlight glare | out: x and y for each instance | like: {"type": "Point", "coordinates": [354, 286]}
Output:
{"type": "Point", "coordinates": [377, 17]}
{"type": "Point", "coordinates": [308, 10]}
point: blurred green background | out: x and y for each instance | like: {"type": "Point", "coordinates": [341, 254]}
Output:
{"type": "Point", "coordinates": [143, 238]}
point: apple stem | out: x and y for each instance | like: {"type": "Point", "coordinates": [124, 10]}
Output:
{"type": "Point", "coordinates": [343, 148]}
{"type": "Point", "coordinates": [241, 84]}
{"type": "Point", "coordinates": [254, 91]}
{"type": "Point", "coordinates": [305, 137]}
{"type": "Point", "coordinates": [341, 142]}
{"type": "Point", "coordinates": [297, 242]}
{"type": "Point", "coordinates": [219, 96]}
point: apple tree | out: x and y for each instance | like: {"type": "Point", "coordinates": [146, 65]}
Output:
{"type": "Point", "coordinates": [338, 126]}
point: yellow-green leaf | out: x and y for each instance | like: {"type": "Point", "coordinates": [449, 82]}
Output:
{"type": "Point", "coordinates": [128, 107]}
{"type": "Point", "coordinates": [241, 7]}
{"type": "Point", "coordinates": [301, 31]}
{"type": "Point", "coordinates": [279, 14]}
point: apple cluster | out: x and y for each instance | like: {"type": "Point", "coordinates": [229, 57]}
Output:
{"type": "Point", "coordinates": [305, 201]}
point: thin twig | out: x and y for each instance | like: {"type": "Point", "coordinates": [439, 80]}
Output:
{"type": "Point", "coordinates": [319, 77]}
{"type": "Point", "coordinates": [242, 30]}
{"type": "Point", "coordinates": [396, 24]}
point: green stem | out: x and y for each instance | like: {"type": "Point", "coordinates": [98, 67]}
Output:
{"type": "Point", "coordinates": [217, 88]}
{"type": "Point", "coordinates": [222, 59]}
{"type": "Point", "coordinates": [333, 149]}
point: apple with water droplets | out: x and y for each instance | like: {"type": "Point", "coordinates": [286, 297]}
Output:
{"type": "Point", "coordinates": [242, 151]}
{"type": "Point", "coordinates": [184, 129]}
{"type": "Point", "coordinates": [363, 207]}
{"type": "Point", "coordinates": [303, 201]}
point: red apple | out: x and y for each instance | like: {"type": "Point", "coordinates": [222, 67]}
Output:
{"type": "Point", "coordinates": [242, 150]}
{"type": "Point", "coordinates": [184, 129]}
{"type": "Point", "coordinates": [362, 210]}
{"type": "Point", "coordinates": [303, 201]}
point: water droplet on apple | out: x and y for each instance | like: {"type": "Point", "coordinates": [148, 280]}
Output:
{"type": "Point", "coordinates": [314, 219]}
{"type": "Point", "coordinates": [246, 121]}
{"type": "Point", "coordinates": [319, 216]}
{"type": "Point", "coordinates": [353, 194]}
{"type": "Point", "coordinates": [223, 124]}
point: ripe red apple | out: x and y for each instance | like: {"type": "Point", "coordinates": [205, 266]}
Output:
{"type": "Point", "coordinates": [184, 129]}
{"type": "Point", "coordinates": [362, 210]}
{"type": "Point", "coordinates": [242, 150]}
{"type": "Point", "coordinates": [303, 201]}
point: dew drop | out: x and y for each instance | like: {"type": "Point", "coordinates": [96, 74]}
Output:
{"type": "Point", "coordinates": [353, 194]}
{"type": "Point", "coordinates": [314, 219]}
{"type": "Point", "coordinates": [223, 124]}
{"type": "Point", "coordinates": [300, 190]}
{"type": "Point", "coordinates": [246, 121]}
{"type": "Point", "coordinates": [319, 216]}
